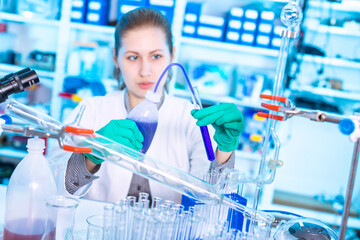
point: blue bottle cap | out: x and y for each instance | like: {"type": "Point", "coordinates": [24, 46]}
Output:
{"type": "Point", "coordinates": [7, 119]}
{"type": "Point", "coordinates": [346, 126]}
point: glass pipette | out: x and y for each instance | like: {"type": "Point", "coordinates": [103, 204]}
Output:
{"type": "Point", "coordinates": [197, 105]}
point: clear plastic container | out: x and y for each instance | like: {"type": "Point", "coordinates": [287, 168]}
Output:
{"type": "Point", "coordinates": [30, 185]}
{"type": "Point", "coordinates": [146, 117]}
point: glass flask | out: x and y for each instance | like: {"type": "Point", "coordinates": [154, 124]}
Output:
{"type": "Point", "coordinates": [30, 185]}
{"type": "Point", "coordinates": [145, 116]}
{"type": "Point", "coordinates": [306, 229]}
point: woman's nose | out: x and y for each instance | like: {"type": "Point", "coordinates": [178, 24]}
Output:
{"type": "Point", "coordinates": [145, 68]}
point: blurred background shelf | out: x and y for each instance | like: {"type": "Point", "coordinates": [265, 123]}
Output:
{"type": "Point", "coordinates": [20, 19]}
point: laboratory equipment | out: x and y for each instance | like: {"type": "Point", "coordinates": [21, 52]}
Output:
{"type": "Point", "coordinates": [145, 116]}
{"type": "Point", "coordinates": [304, 228]}
{"type": "Point", "coordinates": [95, 227]}
{"type": "Point", "coordinates": [60, 212]}
{"type": "Point", "coordinates": [138, 163]}
{"type": "Point", "coordinates": [197, 105]}
{"type": "Point", "coordinates": [30, 185]}
{"type": "Point", "coordinates": [347, 125]}
{"type": "Point", "coordinates": [17, 82]}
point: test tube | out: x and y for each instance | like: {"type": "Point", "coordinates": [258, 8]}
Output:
{"type": "Point", "coordinates": [108, 225]}
{"type": "Point", "coordinates": [120, 223]}
{"type": "Point", "coordinates": [204, 129]}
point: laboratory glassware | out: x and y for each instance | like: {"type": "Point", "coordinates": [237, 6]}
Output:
{"type": "Point", "coordinates": [145, 116]}
{"type": "Point", "coordinates": [140, 164]}
{"type": "Point", "coordinates": [60, 212]}
{"type": "Point", "coordinates": [197, 105]}
{"type": "Point", "coordinates": [291, 16]}
{"type": "Point", "coordinates": [304, 228]}
{"type": "Point", "coordinates": [95, 228]}
{"type": "Point", "coordinates": [31, 183]}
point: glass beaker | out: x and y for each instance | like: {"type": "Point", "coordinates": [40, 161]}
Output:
{"type": "Point", "coordinates": [60, 218]}
{"type": "Point", "coordinates": [95, 228]}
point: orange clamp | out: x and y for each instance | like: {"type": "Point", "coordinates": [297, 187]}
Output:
{"type": "Point", "coordinates": [271, 106]}
{"type": "Point", "coordinates": [272, 116]}
{"type": "Point", "coordinates": [276, 98]}
{"type": "Point", "coordinates": [77, 149]}
{"type": "Point", "coordinates": [71, 129]}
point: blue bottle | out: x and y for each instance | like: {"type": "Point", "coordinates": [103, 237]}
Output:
{"type": "Point", "coordinates": [145, 116]}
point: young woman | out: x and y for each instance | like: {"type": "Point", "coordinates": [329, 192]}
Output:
{"type": "Point", "coordinates": [143, 49]}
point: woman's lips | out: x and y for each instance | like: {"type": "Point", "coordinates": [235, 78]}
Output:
{"type": "Point", "coordinates": [145, 85]}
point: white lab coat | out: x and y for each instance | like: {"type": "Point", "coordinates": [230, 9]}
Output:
{"type": "Point", "coordinates": [177, 142]}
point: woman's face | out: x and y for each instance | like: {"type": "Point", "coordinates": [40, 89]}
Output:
{"type": "Point", "coordinates": [142, 58]}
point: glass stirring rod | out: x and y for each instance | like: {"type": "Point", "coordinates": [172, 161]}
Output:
{"type": "Point", "coordinates": [204, 129]}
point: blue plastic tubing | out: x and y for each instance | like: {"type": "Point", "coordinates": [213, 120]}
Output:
{"type": "Point", "coordinates": [204, 129]}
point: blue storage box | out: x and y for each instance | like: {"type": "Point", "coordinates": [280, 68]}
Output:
{"type": "Point", "coordinates": [189, 30]}
{"type": "Point", "coordinates": [168, 12]}
{"type": "Point", "coordinates": [191, 18]}
{"type": "Point", "coordinates": [263, 40]}
{"type": "Point", "coordinates": [125, 8]}
{"type": "Point", "coordinates": [97, 12]}
{"type": "Point", "coordinates": [162, 3]}
{"type": "Point", "coordinates": [265, 28]}
{"type": "Point", "coordinates": [78, 10]}
{"type": "Point", "coordinates": [232, 36]}
{"type": "Point", "coordinates": [267, 16]}
{"type": "Point", "coordinates": [212, 21]}
{"type": "Point", "coordinates": [237, 13]}
{"type": "Point", "coordinates": [251, 15]}
{"type": "Point", "coordinates": [134, 2]}
{"type": "Point", "coordinates": [210, 33]}
{"type": "Point", "coordinates": [247, 38]}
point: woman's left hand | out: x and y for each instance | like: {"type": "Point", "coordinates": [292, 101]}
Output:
{"type": "Point", "coordinates": [227, 120]}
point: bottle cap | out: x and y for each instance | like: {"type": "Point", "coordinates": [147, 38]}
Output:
{"type": "Point", "coordinates": [36, 143]}
{"type": "Point", "coordinates": [153, 97]}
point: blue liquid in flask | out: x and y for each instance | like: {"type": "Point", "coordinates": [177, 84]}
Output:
{"type": "Point", "coordinates": [148, 130]}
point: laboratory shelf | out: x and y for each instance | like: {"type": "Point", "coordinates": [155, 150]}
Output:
{"type": "Point", "coordinates": [213, 99]}
{"type": "Point", "coordinates": [92, 28]}
{"type": "Point", "coordinates": [327, 92]}
{"type": "Point", "coordinates": [45, 77]}
{"type": "Point", "coordinates": [20, 19]}
{"type": "Point", "coordinates": [334, 62]}
{"type": "Point", "coordinates": [229, 47]}
{"type": "Point", "coordinates": [344, 6]}
{"type": "Point", "coordinates": [324, 29]}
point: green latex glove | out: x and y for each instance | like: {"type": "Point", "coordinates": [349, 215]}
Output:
{"type": "Point", "coordinates": [227, 120]}
{"type": "Point", "coordinates": [123, 131]}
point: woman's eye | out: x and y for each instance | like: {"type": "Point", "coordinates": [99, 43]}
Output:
{"type": "Point", "coordinates": [132, 58]}
{"type": "Point", "coordinates": [156, 56]}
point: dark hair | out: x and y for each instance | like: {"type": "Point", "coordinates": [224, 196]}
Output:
{"type": "Point", "coordinates": [137, 18]}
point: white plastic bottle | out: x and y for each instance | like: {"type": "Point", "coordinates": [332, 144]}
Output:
{"type": "Point", "coordinates": [31, 183]}
{"type": "Point", "coordinates": [146, 117]}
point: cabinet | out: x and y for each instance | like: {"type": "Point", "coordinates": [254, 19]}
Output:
{"type": "Point", "coordinates": [328, 57]}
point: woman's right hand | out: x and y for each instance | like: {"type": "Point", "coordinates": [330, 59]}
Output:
{"type": "Point", "coordinates": [123, 131]}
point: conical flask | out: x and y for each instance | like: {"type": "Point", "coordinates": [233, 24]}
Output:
{"type": "Point", "coordinates": [145, 116]}
{"type": "Point", "coordinates": [31, 183]}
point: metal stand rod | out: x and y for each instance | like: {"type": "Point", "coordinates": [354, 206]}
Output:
{"type": "Point", "coordinates": [349, 191]}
